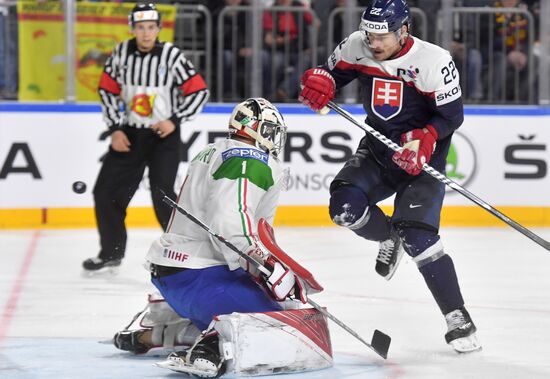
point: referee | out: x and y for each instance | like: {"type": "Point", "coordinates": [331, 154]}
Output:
{"type": "Point", "coordinates": [148, 89]}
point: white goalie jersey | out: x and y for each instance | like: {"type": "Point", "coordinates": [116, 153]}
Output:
{"type": "Point", "coordinates": [229, 186]}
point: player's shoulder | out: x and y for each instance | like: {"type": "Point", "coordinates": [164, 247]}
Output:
{"type": "Point", "coordinates": [430, 51]}
{"type": "Point", "coordinates": [240, 160]}
{"type": "Point", "coordinates": [351, 50]}
{"type": "Point", "coordinates": [234, 150]}
{"type": "Point", "coordinates": [433, 65]}
{"type": "Point", "coordinates": [353, 44]}
{"type": "Point", "coordinates": [428, 55]}
{"type": "Point", "coordinates": [237, 149]}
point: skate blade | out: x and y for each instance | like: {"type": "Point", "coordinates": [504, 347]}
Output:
{"type": "Point", "coordinates": [105, 272]}
{"type": "Point", "coordinates": [466, 344]}
{"type": "Point", "coordinates": [185, 368]}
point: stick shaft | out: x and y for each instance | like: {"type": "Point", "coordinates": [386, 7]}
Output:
{"type": "Point", "coordinates": [444, 179]}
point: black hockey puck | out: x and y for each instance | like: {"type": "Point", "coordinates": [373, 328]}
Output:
{"type": "Point", "coordinates": [79, 187]}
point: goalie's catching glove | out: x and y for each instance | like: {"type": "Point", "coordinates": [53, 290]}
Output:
{"type": "Point", "coordinates": [418, 146]}
{"type": "Point", "coordinates": [318, 88]}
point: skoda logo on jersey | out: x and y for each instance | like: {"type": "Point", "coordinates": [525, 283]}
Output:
{"type": "Point", "coordinates": [387, 97]}
{"type": "Point", "coordinates": [461, 161]}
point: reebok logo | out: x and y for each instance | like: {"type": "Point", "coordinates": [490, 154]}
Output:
{"type": "Point", "coordinates": [412, 206]}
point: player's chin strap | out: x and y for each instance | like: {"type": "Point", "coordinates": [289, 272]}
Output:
{"type": "Point", "coordinates": [442, 178]}
{"type": "Point", "coordinates": [380, 342]}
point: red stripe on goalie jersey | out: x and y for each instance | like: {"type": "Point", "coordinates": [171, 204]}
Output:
{"type": "Point", "coordinates": [192, 85]}
{"type": "Point", "coordinates": [109, 84]}
{"type": "Point", "coordinates": [310, 322]}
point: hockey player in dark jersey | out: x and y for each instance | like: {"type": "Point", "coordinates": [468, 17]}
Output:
{"type": "Point", "coordinates": [412, 95]}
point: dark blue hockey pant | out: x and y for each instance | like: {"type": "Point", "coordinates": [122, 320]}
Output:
{"type": "Point", "coordinates": [201, 294]}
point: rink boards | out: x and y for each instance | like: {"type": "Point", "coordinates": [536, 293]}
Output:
{"type": "Point", "coordinates": [499, 154]}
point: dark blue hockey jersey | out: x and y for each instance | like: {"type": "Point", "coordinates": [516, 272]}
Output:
{"type": "Point", "coordinates": [419, 87]}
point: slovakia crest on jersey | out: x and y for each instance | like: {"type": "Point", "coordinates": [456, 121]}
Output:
{"type": "Point", "coordinates": [387, 97]}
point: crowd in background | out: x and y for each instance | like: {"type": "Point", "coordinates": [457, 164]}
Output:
{"type": "Point", "coordinates": [491, 51]}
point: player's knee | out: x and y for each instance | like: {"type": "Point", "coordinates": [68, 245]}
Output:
{"type": "Point", "coordinates": [422, 244]}
{"type": "Point", "coordinates": [348, 205]}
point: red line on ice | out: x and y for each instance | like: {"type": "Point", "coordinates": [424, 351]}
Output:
{"type": "Point", "coordinates": [11, 305]}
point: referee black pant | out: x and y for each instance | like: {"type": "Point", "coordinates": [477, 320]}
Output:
{"type": "Point", "coordinates": [119, 179]}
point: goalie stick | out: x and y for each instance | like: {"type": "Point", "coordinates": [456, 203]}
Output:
{"type": "Point", "coordinates": [380, 342]}
{"type": "Point", "coordinates": [442, 178]}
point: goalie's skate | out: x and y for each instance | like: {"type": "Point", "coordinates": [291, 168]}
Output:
{"type": "Point", "coordinates": [100, 267]}
{"type": "Point", "coordinates": [128, 340]}
{"type": "Point", "coordinates": [390, 253]}
{"type": "Point", "coordinates": [461, 331]}
{"type": "Point", "coordinates": [202, 360]}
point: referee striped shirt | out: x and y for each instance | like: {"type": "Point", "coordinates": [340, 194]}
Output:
{"type": "Point", "coordinates": [140, 89]}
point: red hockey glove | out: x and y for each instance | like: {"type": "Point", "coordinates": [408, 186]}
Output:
{"type": "Point", "coordinates": [318, 88]}
{"type": "Point", "coordinates": [418, 146]}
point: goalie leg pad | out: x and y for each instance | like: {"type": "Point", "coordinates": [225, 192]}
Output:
{"type": "Point", "coordinates": [168, 330]}
{"type": "Point", "coordinates": [274, 342]}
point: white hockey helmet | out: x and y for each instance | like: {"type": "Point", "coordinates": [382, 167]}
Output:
{"type": "Point", "coordinates": [258, 120]}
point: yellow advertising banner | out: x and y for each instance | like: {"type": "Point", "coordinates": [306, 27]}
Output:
{"type": "Point", "coordinates": [99, 27]}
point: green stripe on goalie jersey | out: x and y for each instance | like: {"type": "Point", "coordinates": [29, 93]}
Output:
{"type": "Point", "coordinates": [252, 169]}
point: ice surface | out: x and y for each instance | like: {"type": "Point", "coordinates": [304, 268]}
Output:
{"type": "Point", "coordinates": [52, 317]}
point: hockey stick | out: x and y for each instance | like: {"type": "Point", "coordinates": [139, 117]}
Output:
{"type": "Point", "coordinates": [442, 178]}
{"type": "Point", "coordinates": [380, 342]}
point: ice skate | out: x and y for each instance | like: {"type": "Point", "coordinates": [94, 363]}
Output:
{"type": "Point", "coordinates": [390, 253]}
{"type": "Point", "coordinates": [129, 340]}
{"type": "Point", "coordinates": [202, 360]}
{"type": "Point", "coordinates": [461, 331]}
{"type": "Point", "coordinates": [99, 267]}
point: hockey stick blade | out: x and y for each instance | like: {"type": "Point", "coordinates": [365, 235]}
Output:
{"type": "Point", "coordinates": [443, 179]}
{"type": "Point", "coordinates": [262, 268]}
{"type": "Point", "coordinates": [381, 343]}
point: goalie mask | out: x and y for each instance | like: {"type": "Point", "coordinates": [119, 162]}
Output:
{"type": "Point", "coordinates": [256, 119]}
{"type": "Point", "coordinates": [143, 12]}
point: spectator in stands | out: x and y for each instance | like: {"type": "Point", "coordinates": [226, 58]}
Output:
{"type": "Point", "coordinates": [465, 50]}
{"type": "Point", "coordinates": [510, 52]}
{"type": "Point", "coordinates": [286, 39]}
{"type": "Point", "coordinates": [9, 65]}
{"type": "Point", "coordinates": [236, 47]}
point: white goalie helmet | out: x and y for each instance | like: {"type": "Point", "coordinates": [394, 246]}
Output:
{"type": "Point", "coordinates": [258, 120]}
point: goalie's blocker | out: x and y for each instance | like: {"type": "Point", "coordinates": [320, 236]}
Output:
{"type": "Point", "coordinates": [287, 277]}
